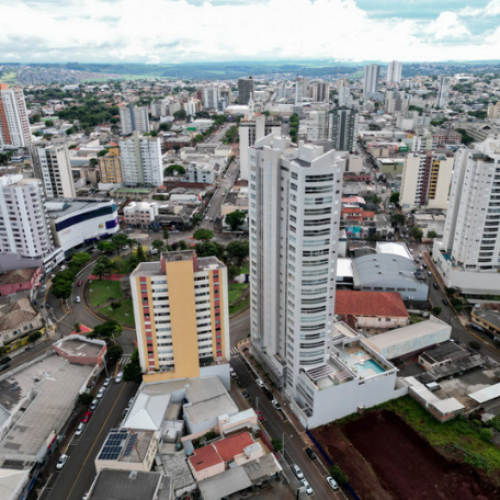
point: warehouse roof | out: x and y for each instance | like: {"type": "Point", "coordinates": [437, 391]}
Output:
{"type": "Point", "coordinates": [357, 303]}
{"type": "Point", "coordinates": [393, 248]}
{"type": "Point", "coordinates": [376, 267]}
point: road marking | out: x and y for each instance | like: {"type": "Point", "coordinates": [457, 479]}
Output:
{"type": "Point", "coordinates": [95, 440]}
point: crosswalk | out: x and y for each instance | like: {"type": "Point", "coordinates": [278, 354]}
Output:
{"type": "Point", "coordinates": [234, 351]}
{"type": "Point", "coordinates": [124, 359]}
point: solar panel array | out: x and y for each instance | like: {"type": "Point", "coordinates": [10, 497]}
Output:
{"type": "Point", "coordinates": [113, 445]}
{"type": "Point", "coordinates": [130, 445]}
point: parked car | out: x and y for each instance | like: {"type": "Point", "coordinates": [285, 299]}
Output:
{"type": "Point", "coordinates": [268, 393]}
{"type": "Point", "coordinates": [77, 300]}
{"type": "Point", "coordinates": [80, 428]}
{"type": "Point", "coordinates": [332, 483]}
{"type": "Point", "coordinates": [47, 305]}
{"type": "Point", "coordinates": [107, 382]}
{"type": "Point", "coordinates": [100, 394]}
{"type": "Point", "coordinates": [445, 302]}
{"type": "Point", "coordinates": [126, 247]}
{"type": "Point", "coordinates": [276, 404]}
{"type": "Point", "coordinates": [429, 273]}
{"type": "Point", "coordinates": [86, 418]}
{"type": "Point", "coordinates": [435, 285]}
{"type": "Point", "coordinates": [298, 473]}
{"type": "Point", "coordinates": [94, 404]}
{"type": "Point", "coordinates": [307, 486]}
{"type": "Point", "coordinates": [62, 462]}
{"type": "Point", "coordinates": [5, 360]}
{"type": "Point", "coordinates": [153, 251]}
{"type": "Point", "coordinates": [79, 283]}
{"type": "Point", "coordinates": [261, 417]}
{"type": "Point", "coordinates": [119, 377]}
{"type": "Point", "coordinates": [311, 454]}
{"type": "Point", "coordinates": [245, 394]}
{"type": "Point", "coordinates": [259, 382]}
{"type": "Point", "coordinates": [4, 367]}
{"type": "Point", "coordinates": [232, 372]}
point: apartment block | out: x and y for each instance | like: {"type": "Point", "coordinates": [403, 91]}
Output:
{"type": "Point", "coordinates": [370, 80]}
{"type": "Point", "coordinates": [319, 92]}
{"type": "Point", "coordinates": [110, 167]}
{"type": "Point", "coordinates": [181, 311]}
{"type": "Point", "coordinates": [301, 89]}
{"type": "Point", "coordinates": [141, 160]}
{"type": "Point", "coordinates": [426, 180]}
{"type": "Point", "coordinates": [442, 95]}
{"type": "Point", "coordinates": [341, 128]}
{"type": "Point", "coordinates": [140, 214]}
{"type": "Point", "coordinates": [294, 214]}
{"type": "Point", "coordinates": [134, 118]}
{"type": "Point", "coordinates": [394, 70]}
{"type": "Point", "coordinates": [53, 167]}
{"type": "Point", "coordinates": [246, 88]}
{"type": "Point", "coordinates": [211, 97]}
{"type": "Point", "coordinates": [14, 122]}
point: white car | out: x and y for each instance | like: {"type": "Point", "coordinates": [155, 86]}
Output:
{"type": "Point", "coordinates": [100, 394]}
{"type": "Point", "coordinates": [276, 404]}
{"type": "Point", "coordinates": [259, 382]}
{"type": "Point", "coordinates": [62, 462]}
{"type": "Point", "coordinates": [78, 300]}
{"type": "Point", "coordinates": [79, 430]}
{"type": "Point", "coordinates": [119, 377]}
{"type": "Point", "coordinates": [153, 251]}
{"type": "Point", "coordinates": [307, 486]}
{"type": "Point", "coordinates": [107, 382]}
{"type": "Point", "coordinates": [298, 473]}
{"type": "Point", "coordinates": [332, 483]}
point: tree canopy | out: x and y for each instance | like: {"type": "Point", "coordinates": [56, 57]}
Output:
{"type": "Point", "coordinates": [106, 330]}
{"type": "Point", "coordinates": [171, 169]}
{"type": "Point", "coordinates": [203, 234]}
{"type": "Point", "coordinates": [236, 219]}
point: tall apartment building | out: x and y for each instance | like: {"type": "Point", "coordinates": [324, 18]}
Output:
{"type": "Point", "coordinates": [344, 96]}
{"type": "Point", "coordinates": [52, 165]}
{"type": "Point", "coordinates": [442, 95]}
{"type": "Point", "coordinates": [341, 128]}
{"type": "Point", "coordinates": [319, 92]}
{"type": "Point", "coordinates": [397, 101]}
{"type": "Point", "coordinates": [494, 111]}
{"type": "Point", "coordinates": [426, 180]}
{"type": "Point", "coordinates": [294, 215]}
{"type": "Point", "coordinates": [370, 80]}
{"type": "Point", "coordinates": [181, 314]}
{"type": "Point", "coordinates": [190, 108]}
{"type": "Point", "coordinates": [14, 122]}
{"type": "Point", "coordinates": [301, 89]}
{"type": "Point", "coordinates": [141, 160]}
{"type": "Point", "coordinates": [24, 226]}
{"type": "Point", "coordinates": [471, 235]}
{"type": "Point", "coordinates": [110, 167]}
{"type": "Point", "coordinates": [246, 89]}
{"type": "Point", "coordinates": [394, 70]}
{"type": "Point", "coordinates": [317, 125]}
{"type": "Point", "coordinates": [211, 97]}
{"type": "Point", "coordinates": [251, 129]}
{"type": "Point", "coordinates": [134, 118]}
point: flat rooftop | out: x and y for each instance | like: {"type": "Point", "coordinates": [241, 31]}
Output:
{"type": "Point", "coordinates": [492, 317]}
{"type": "Point", "coordinates": [180, 255]}
{"type": "Point", "coordinates": [126, 446]}
{"type": "Point", "coordinates": [76, 347]}
{"type": "Point", "coordinates": [61, 208]}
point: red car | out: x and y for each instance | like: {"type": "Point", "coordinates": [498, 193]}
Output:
{"type": "Point", "coordinates": [87, 417]}
{"type": "Point", "coordinates": [79, 283]}
{"type": "Point", "coordinates": [261, 417]}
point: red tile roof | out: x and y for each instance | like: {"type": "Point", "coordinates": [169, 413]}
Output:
{"type": "Point", "coordinates": [230, 447]}
{"type": "Point", "coordinates": [379, 304]}
{"type": "Point", "coordinates": [205, 457]}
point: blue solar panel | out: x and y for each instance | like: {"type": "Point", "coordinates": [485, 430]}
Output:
{"type": "Point", "coordinates": [114, 444]}
{"type": "Point", "coordinates": [130, 445]}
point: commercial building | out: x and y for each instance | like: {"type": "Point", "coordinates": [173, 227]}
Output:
{"type": "Point", "coordinates": [293, 263]}
{"type": "Point", "coordinates": [140, 214]}
{"type": "Point", "coordinates": [14, 122]}
{"type": "Point", "coordinates": [134, 118]}
{"type": "Point", "coordinates": [53, 167]}
{"type": "Point", "coordinates": [211, 97]}
{"type": "Point", "coordinates": [442, 95]}
{"type": "Point", "coordinates": [110, 167]}
{"type": "Point", "coordinates": [301, 89]}
{"type": "Point", "coordinates": [341, 128]}
{"type": "Point", "coordinates": [394, 70]}
{"type": "Point", "coordinates": [370, 80]}
{"type": "Point", "coordinates": [252, 128]}
{"type": "Point", "coordinates": [81, 222]}
{"type": "Point", "coordinates": [344, 96]}
{"type": "Point", "coordinates": [25, 228]}
{"type": "Point", "coordinates": [181, 311]}
{"type": "Point", "coordinates": [397, 101]}
{"type": "Point", "coordinates": [245, 90]}
{"type": "Point", "coordinates": [141, 160]}
{"type": "Point", "coordinates": [319, 91]}
{"type": "Point", "coordinates": [426, 180]}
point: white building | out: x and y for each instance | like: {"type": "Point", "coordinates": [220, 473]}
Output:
{"type": "Point", "coordinates": [396, 101]}
{"type": "Point", "coordinates": [319, 92]}
{"type": "Point", "coordinates": [301, 86]}
{"type": "Point", "coordinates": [24, 228]}
{"type": "Point", "coordinates": [14, 121]}
{"type": "Point", "coordinates": [134, 118]}
{"type": "Point", "coordinates": [344, 96]}
{"type": "Point", "coordinates": [370, 81]}
{"type": "Point", "coordinates": [211, 97]}
{"type": "Point", "coordinates": [294, 212]}
{"type": "Point", "coordinates": [141, 160]}
{"type": "Point", "coordinates": [251, 129]}
{"type": "Point", "coordinates": [79, 222]}
{"type": "Point", "coordinates": [205, 172]}
{"type": "Point", "coordinates": [426, 180]}
{"type": "Point", "coordinates": [53, 167]}
{"type": "Point", "coordinates": [140, 214]}
{"type": "Point", "coordinates": [394, 72]}
{"type": "Point", "coordinates": [442, 96]}
{"type": "Point", "coordinates": [317, 125]}
{"type": "Point", "coordinates": [190, 108]}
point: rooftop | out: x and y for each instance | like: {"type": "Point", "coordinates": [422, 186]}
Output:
{"type": "Point", "coordinates": [180, 255]}
{"type": "Point", "coordinates": [231, 446]}
{"type": "Point", "coordinates": [125, 445]}
{"type": "Point", "coordinates": [492, 317]}
{"type": "Point", "coordinates": [358, 303]}
{"type": "Point", "coordinates": [62, 208]}
{"type": "Point", "coordinates": [205, 457]}
{"type": "Point", "coordinates": [446, 351]}
{"type": "Point", "coordinates": [228, 482]}
{"type": "Point", "coordinates": [12, 315]}
{"type": "Point", "coordinates": [18, 276]}
{"type": "Point", "coordinates": [75, 347]}
{"type": "Point", "coordinates": [393, 248]}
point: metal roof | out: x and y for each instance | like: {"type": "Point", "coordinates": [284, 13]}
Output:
{"type": "Point", "coordinates": [377, 267]}
{"type": "Point", "coordinates": [486, 394]}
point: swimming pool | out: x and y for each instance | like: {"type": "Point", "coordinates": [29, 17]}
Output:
{"type": "Point", "coordinates": [370, 365]}
{"type": "Point", "coordinates": [360, 353]}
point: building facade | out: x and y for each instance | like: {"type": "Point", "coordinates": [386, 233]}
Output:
{"type": "Point", "coordinates": [341, 128]}
{"type": "Point", "coordinates": [319, 92]}
{"type": "Point", "coordinates": [140, 214]}
{"type": "Point", "coordinates": [301, 89]}
{"type": "Point", "coordinates": [110, 167]}
{"type": "Point", "coordinates": [295, 195]}
{"type": "Point", "coordinates": [394, 72]}
{"type": "Point", "coordinates": [370, 80]}
{"type": "Point", "coordinates": [344, 96]}
{"type": "Point", "coordinates": [442, 95]}
{"type": "Point", "coordinates": [134, 118]}
{"type": "Point", "coordinates": [181, 311]}
{"type": "Point", "coordinates": [246, 88]}
{"type": "Point", "coordinates": [53, 167]}
{"type": "Point", "coordinates": [141, 160]}
{"type": "Point", "coordinates": [14, 122]}
{"type": "Point", "coordinates": [211, 97]}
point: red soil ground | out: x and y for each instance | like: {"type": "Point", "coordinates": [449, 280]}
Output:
{"type": "Point", "coordinates": [385, 459]}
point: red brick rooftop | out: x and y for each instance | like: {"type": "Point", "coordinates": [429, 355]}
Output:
{"type": "Point", "coordinates": [378, 304]}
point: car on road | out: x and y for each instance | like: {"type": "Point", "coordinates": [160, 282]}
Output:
{"type": "Point", "coordinates": [107, 382]}
{"type": "Point", "coordinates": [94, 404]}
{"type": "Point", "coordinates": [119, 377]}
{"type": "Point", "coordinates": [153, 251]}
{"type": "Point", "coordinates": [232, 372]}
{"type": "Point", "coordinates": [86, 496]}
{"type": "Point", "coordinates": [206, 217]}
{"type": "Point", "coordinates": [62, 462]}
{"type": "Point", "coordinates": [429, 273]}
{"type": "Point", "coordinates": [77, 299]}
{"type": "Point", "coordinates": [419, 255]}
{"type": "Point", "coordinates": [268, 393]}
{"type": "Point", "coordinates": [311, 454]}
{"type": "Point", "coordinates": [4, 367]}
{"type": "Point", "coordinates": [245, 393]}
{"type": "Point", "coordinates": [79, 283]}
{"type": "Point", "coordinates": [298, 473]}
{"type": "Point", "coordinates": [276, 404]}
{"type": "Point", "coordinates": [332, 483]}
{"type": "Point", "coordinates": [5, 360]}
{"type": "Point", "coordinates": [126, 247]}
{"type": "Point", "coordinates": [445, 302]}
{"type": "Point", "coordinates": [307, 486]}
{"type": "Point", "coordinates": [47, 305]}
{"type": "Point", "coordinates": [100, 394]}
{"type": "Point", "coordinates": [80, 428]}
{"type": "Point", "coordinates": [435, 285]}
{"type": "Point", "coordinates": [261, 417]}
{"type": "Point", "coordinates": [259, 382]}
{"type": "Point", "coordinates": [86, 418]}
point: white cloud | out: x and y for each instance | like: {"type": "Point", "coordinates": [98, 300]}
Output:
{"type": "Point", "coordinates": [491, 9]}
{"type": "Point", "coordinates": [177, 31]}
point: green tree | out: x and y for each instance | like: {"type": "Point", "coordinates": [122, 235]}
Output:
{"type": "Point", "coordinates": [203, 234]}
{"type": "Point", "coordinates": [277, 445]}
{"type": "Point", "coordinates": [237, 251]}
{"type": "Point", "coordinates": [338, 474]}
{"type": "Point", "coordinates": [198, 138]}
{"type": "Point", "coordinates": [158, 245]}
{"type": "Point", "coordinates": [164, 126]}
{"type": "Point", "coordinates": [141, 255]}
{"type": "Point", "coordinates": [85, 398]}
{"type": "Point", "coordinates": [398, 220]}
{"type": "Point", "coordinates": [182, 245]}
{"type": "Point", "coordinates": [394, 198]}
{"type": "Point", "coordinates": [432, 234]}
{"type": "Point", "coordinates": [102, 266]}
{"type": "Point", "coordinates": [106, 330]}
{"type": "Point", "coordinates": [35, 118]}
{"type": "Point", "coordinates": [93, 162]}
{"type": "Point", "coordinates": [166, 234]}
{"type": "Point", "coordinates": [416, 233]}
{"type": "Point", "coordinates": [77, 326]}
{"type": "Point", "coordinates": [174, 168]}
{"type": "Point", "coordinates": [70, 131]}
{"type": "Point", "coordinates": [106, 246]}
{"type": "Point", "coordinates": [119, 241]}
{"type": "Point", "coordinates": [197, 218]}
{"type": "Point", "coordinates": [153, 133]}
{"type": "Point", "coordinates": [114, 353]}
{"type": "Point", "coordinates": [62, 290]}
{"type": "Point", "coordinates": [49, 123]}
{"type": "Point", "coordinates": [436, 310]}
{"type": "Point", "coordinates": [236, 219]}
{"type": "Point", "coordinates": [466, 138]}
{"type": "Point", "coordinates": [210, 248]}
{"type": "Point", "coordinates": [81, 258]}
{"type": "Point", "coordinates": [233, 271]}
{"type": "Point", "coordinates": [102, 152]}
{"type": "Point", "coordinates": [115, 305]}
{"type": "Point", "coordinates": [180, 115]}
{"type": "Point", "coordinates": [33, 337]}
{"type": "Point", "coordinates": [486, 434]}
{"type": "Point", "coordinates": [132, 371]}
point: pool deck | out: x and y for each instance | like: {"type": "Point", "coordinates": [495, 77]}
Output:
{"type": "Point", "coordinates": [351, 357]}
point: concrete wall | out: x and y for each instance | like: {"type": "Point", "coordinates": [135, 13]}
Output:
{"type": "Point", "coordinates": [13, 261]}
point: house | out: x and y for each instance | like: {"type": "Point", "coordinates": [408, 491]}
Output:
{"type": "Point", "coordinates": [19, 279]}
{"type": "Point", "coordinates": [17, 320]}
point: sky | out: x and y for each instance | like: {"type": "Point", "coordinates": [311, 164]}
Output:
{"type": "Point", "coordinates": [183, 31]}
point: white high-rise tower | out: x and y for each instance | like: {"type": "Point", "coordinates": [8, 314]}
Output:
{"type": "Point", "coordinates": [394, 72]}
{"type": "Point", "coordinates": [370, 82]}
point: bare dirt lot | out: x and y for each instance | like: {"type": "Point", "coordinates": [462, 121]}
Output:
{"type": "Point", "coordinates": [386, 459]}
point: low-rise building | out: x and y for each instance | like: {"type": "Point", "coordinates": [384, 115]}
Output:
{"type": "Point", "coordinates": [236, 199]}
{"type": "Point", "coordinates": [80, 350]}
{"type": "Point", "coordinates": [206, 172]}
{"type": "Point", "coordinates": [486, 320]}
{"type": "Point", "coordinates": [17, 320]}
{"type": "Point", "coordinates": [19, 279]}
{"type": "Point", "coordinates": [140, 214]}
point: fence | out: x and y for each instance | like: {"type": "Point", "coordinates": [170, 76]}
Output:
{"type": "Point", "coordinates": [108, 277]}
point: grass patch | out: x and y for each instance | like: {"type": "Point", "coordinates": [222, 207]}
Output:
{"type": "Point", "coordinates": [124, 314]}
{"type": "Point", "coordinates": [239, 306]}
{"type": "Point", "coordinates": [415, 319]}
{"type": "Point", "coordinates": [245, 270]}
{"type": "Point", "coordinates": [236, 290]}
{"type": "Point", "coordinates": [9, 77]}
{"type": "Point", "coordinates": [458, 435]}
{"type": "Point", "coordinates": [101, 291]}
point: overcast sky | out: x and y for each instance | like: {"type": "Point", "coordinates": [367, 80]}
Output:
{"type": "Point", "coordinates": [176, 31]}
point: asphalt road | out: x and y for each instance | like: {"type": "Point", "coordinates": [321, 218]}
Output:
{"type": "Point", "coordinates": [278, 428]}
{"type": "Point", "coordinates": [72, 482]}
